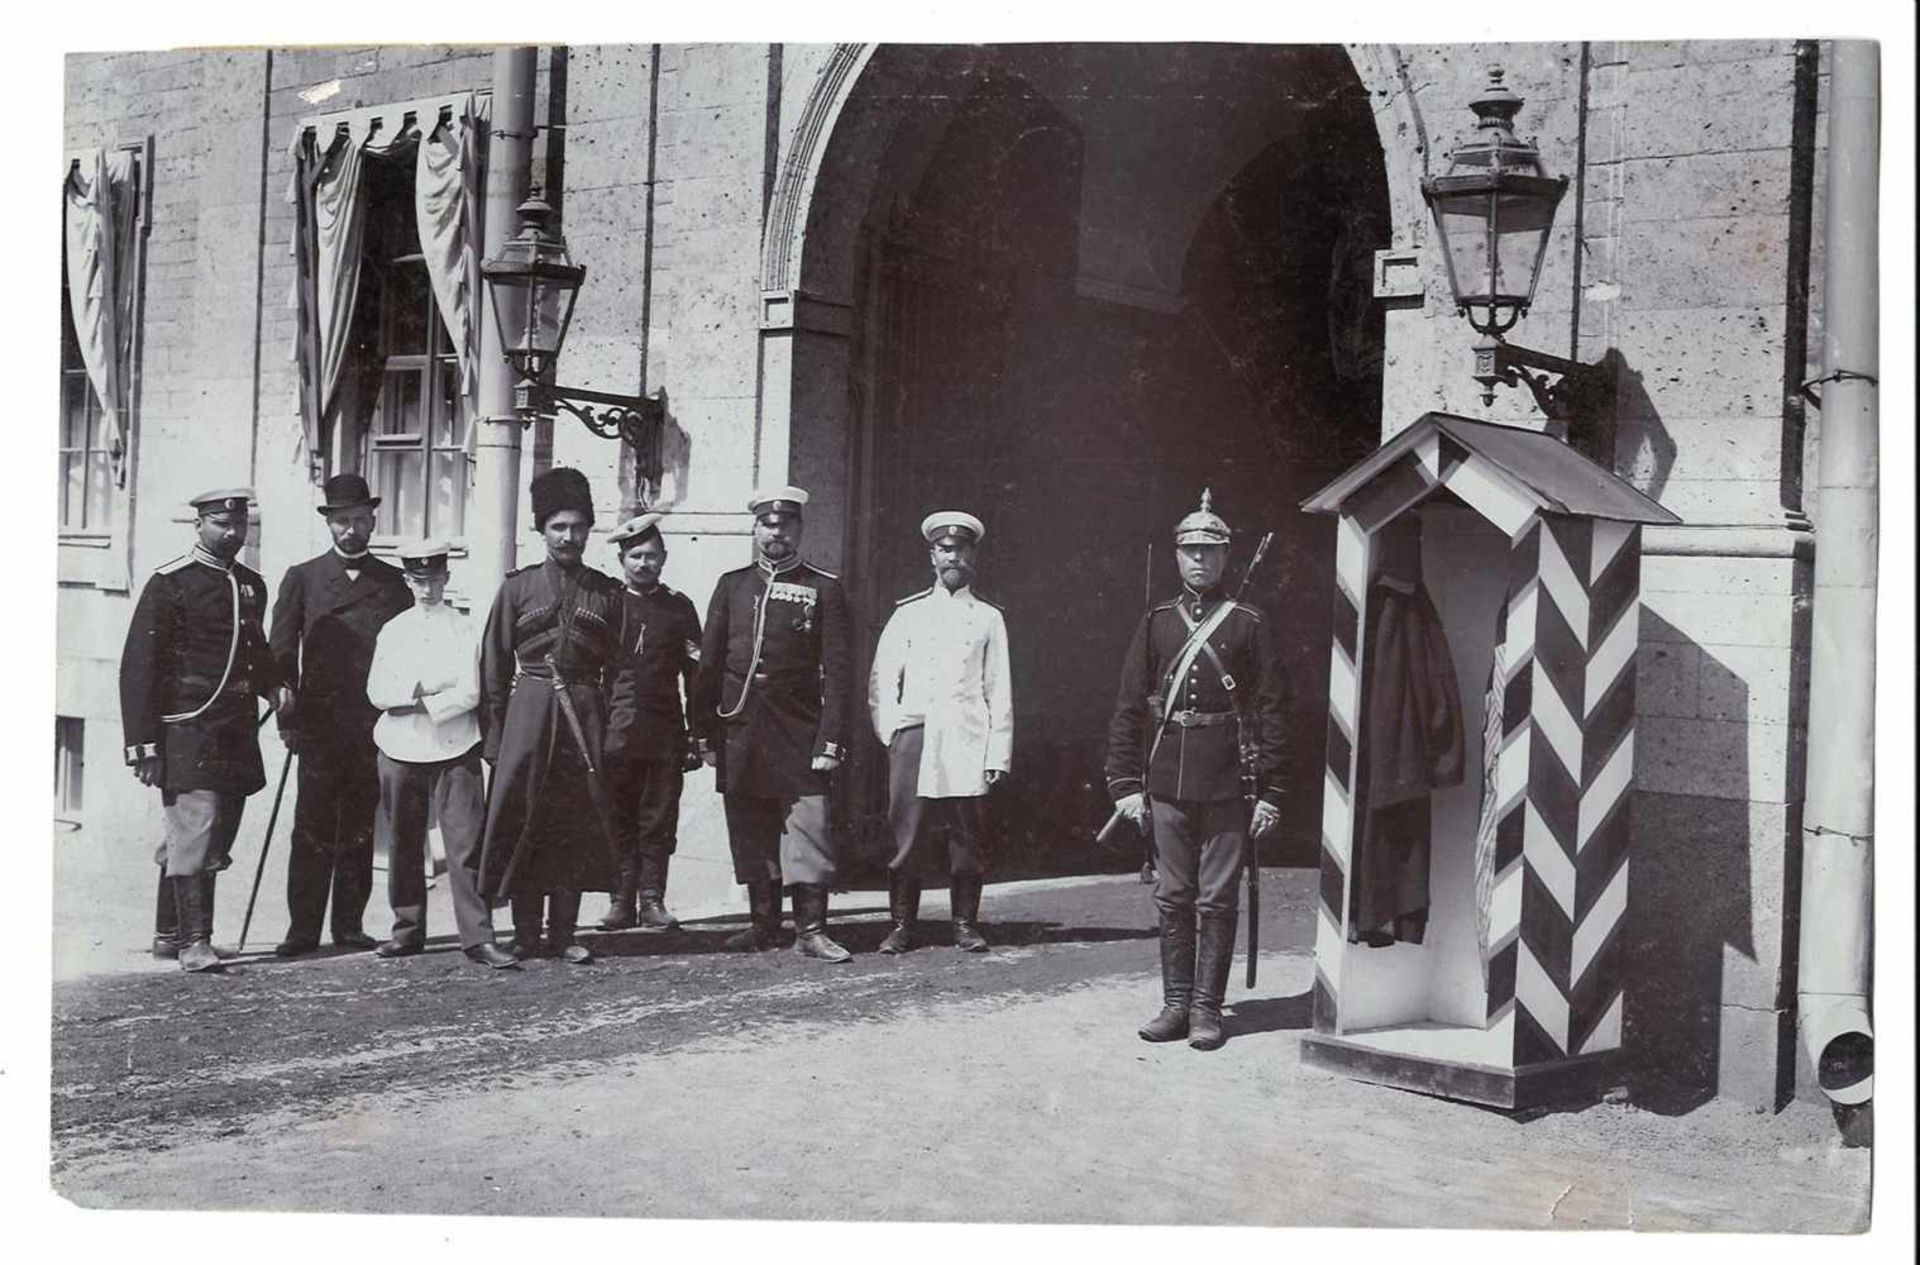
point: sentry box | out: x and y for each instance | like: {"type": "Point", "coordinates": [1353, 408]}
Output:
{"type": "Point", "coordinates": [1473, 855]}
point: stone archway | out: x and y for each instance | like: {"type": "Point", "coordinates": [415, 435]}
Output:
{"type": "Point", "coordinates": [1066, 287]}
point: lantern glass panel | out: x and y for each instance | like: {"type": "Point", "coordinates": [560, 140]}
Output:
{"type": "Point", "coordinates": [1524, 220]}
{"type": "Point", "coordinates": [1466, 228]}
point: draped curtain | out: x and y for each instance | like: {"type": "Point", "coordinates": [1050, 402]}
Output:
{"type": "Point", "coordinates": [330, 211]}
{"type": "Point", "coordinates": [101, 214]}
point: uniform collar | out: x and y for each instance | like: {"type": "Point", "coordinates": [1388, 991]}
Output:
{"type": "Point", "coordinates": [652, 592]}
{"type": "Point", "coordinates": [1199, 601]}
{"type": "Point", "coordinates": [776, 568]}
{"type": "Point", "coordinates": [199, 554]}
{"type": "Point", "coordinates": [962, 594]}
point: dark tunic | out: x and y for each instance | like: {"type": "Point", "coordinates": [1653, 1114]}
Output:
{"type": "Point", "coordinates": [790, 701]}
{"type": "Point", "coordinates": [659, 652]}
{"type": "Point", "coordinates": [544, 828]}
{"type": "Point", "coordinates": [1200, 762]}
{"type": "Point", "coordinates": [179, 646]}
{"type": "Point", "coordinates": [325, 626]}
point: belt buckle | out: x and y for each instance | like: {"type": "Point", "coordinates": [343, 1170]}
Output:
{"type": "Point", "coordinates": [1184, 717]}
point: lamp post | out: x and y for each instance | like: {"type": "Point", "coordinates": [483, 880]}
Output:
{"type": "Point", "coordinates": [531, 285]}
{"type": "Point", "coordinates": [1494, 210]}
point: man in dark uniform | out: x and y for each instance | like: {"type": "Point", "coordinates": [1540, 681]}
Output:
{"type": "Point", "coordinates": [549, 823]}
{"type": "Point", "coordinates": [325, 621]}
{"type": "Point", "coordinates": [195, 660]}
{"type": "Point", "coordinates": [648, 752]}
{"type": "Point", "coordinates": [771, 704]}
{"type": "Point", "coordinates": [1200, 681]}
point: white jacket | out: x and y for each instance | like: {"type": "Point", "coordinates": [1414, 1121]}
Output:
{"type": "Point", "coordinates": [435, 649]}
{"type": "Point", "coordinates": [942, 662]}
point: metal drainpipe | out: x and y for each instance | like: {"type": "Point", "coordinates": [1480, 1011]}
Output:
{"type": "Point", "coordinates": [496, 473]}
{"type": "Point", "coordinates": [1836, 873]}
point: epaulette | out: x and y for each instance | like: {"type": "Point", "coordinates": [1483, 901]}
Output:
{"type": "Point", "coordinates": [820, 571]}
{"type": "Point", "coordinates": [987, 601]}
{"type": "Point", "coordinates": [181, 563]}
{"type": "Point", "coordinates": [914, 597]}
{"type": "Point", "coordinates": [1168, 605]}
{"type": "Point", "coordinates": [531, 566]}
{"type": "Point", "coordinates": [1249, 610]}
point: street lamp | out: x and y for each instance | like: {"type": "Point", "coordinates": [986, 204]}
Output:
{"type": "Point", "coordinates": [1494, 211]}
{"type": "Point", "coordinates": [531, 285]}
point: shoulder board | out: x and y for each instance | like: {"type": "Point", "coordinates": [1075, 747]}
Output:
{"type": "Point", "coordinates": [914, 597]}
{"type": "Point", "coordinates": [987, 601]}
{"type": "Point", "coordinates": [1168, 605]}
{"type": "Point", "coordinates": [1249, 611]}
{"type": "Point", "coordinates": [821, 572]}
{"type": "Point", "coordinates": [533, 566]}
{"type": "Point", "coordinates": [181, 563]}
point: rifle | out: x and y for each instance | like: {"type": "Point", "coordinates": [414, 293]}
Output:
{"type": "Point", "coordinates": [1250, 789]}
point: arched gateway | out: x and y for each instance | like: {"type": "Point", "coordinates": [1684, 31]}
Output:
{"type": "Point", "coordinates": [1066, 287]}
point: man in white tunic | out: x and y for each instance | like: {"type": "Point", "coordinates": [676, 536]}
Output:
{"type": "Point", "coordinates": [942, 702]}
{"type": "Point", "coordinates": [425, 679]}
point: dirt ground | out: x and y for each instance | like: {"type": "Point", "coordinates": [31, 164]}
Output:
{"type": "Point", "coordinates": [673, 1081]}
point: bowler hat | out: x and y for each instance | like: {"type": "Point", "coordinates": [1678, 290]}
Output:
{"type": "Point", "coordinates": [346, 492]}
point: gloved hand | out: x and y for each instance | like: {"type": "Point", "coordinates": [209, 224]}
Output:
{"type": "Point", "coordinates": [1133, 807]}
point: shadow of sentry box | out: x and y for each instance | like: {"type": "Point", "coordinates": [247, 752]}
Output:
{"type": "Point", "coordinates": [1509, 991]}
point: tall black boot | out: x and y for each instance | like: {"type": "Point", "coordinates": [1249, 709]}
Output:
{"type": "Point", "coordinates": [763, 907]}
{"type": "Point", "coordinates": [528, 912]}
{"type": "Point", "coordinates": [903, 905]}
{"type": "Point", "coordinates": [964, 891]}
{"type": "Point", "coordinates": [810, 925]}
{"type": "Point", "coordinates": [620, 911]}
{"type": "Point", "coordinates": [1214, 960]}
{"type": "Point", "coordinates": [1176, 978]}
{"type": "Point", "coordinates": [653, 914]}
{"type": "Point", "coordinates": [196, 928]}
{"type": "Point", "coordinates": [166, 919]}
{"type": "Point", "coordinates": [206, 895]}
{"type": "Point", "coordinates": [563, 920]}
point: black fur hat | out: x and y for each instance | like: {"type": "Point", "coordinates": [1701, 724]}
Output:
{"type": "Point", "coordinates": [561, 488]}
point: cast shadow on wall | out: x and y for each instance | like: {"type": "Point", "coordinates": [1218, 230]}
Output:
{"type": "Point", "coordinates": [1689, 887]}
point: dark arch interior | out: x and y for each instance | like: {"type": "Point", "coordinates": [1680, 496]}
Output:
{"type": "Point", "coordinates": [1094, 280]}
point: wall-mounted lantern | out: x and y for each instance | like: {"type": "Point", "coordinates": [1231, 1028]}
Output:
{"type": "Point", "coordinates": [532, 284]}
{"type": "Point", "coordinates": [1494, 210]}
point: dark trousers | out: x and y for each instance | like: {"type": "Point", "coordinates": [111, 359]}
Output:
{"type": "Point", "coordinates": [918, 822]}
{"type": "Point", "coordinates": [647, 808]}
{"type": "Point", "coordinates": [779, 840]}
{"type": "Point", "coordinates": [1201, 845]}
{"type": "Point", "coordinates": [454, 792]}
{"type": "Point", "coordinates": [332, 849]}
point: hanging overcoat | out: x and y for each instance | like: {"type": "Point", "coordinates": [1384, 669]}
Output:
{"type": "Point", "coordinates": [546, 826]}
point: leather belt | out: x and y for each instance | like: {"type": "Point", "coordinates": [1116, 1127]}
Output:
{"type": "Point", "coordinates": [565, 678]}
{"type": "Point", "coordinates": [1199, 720]}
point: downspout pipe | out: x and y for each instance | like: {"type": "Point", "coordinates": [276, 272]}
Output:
{"type": "Point", "coordinates": [496, 474]}
{"type": "Point", "coordinates": [1836, 871]}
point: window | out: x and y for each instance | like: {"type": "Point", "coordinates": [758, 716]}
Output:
{"type": "Point", "coordinates": [69, 766]}
{"type": "Point", "coordinates": [86, 467]}
{"type": "Point", "coordinates": [417, 434]}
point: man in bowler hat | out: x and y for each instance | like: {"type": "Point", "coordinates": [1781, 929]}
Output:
{"type": "Point", "coordinates": [325, 621]}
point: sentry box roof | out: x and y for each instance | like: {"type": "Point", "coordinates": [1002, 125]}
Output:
{"type": "Point", "coordinates": [1499, 470]}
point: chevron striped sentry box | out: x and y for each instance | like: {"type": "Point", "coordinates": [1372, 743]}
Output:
{"type": "Point", "coordinates": [1514, 994]}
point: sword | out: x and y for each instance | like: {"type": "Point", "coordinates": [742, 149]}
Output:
{"type": "Point", "coordinates": [1250, 788]}
{"type": "Point", "coordinates": [596, 793]}
{"type": "Point", "coordinates": [260, 869]}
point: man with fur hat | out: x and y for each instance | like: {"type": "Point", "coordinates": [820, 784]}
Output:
{"type": "Point", "coordinates": [771, 704]}
{"type": "Point", "coordinates": [941, 695]}
{"type": "Point", "coordinates": [648, 752]}
{"type": "Point", "coordinates": [550, 643]}
{"type": "Point", "coordinates": [325, 621]}
{"type": "Point", "coordinates": [1201, 685]}
{"type": "Point", "coordinates": [195, 660]}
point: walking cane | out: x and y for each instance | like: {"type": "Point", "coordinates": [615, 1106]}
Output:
{"type": "Point", "coordinates": [265, 843]}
